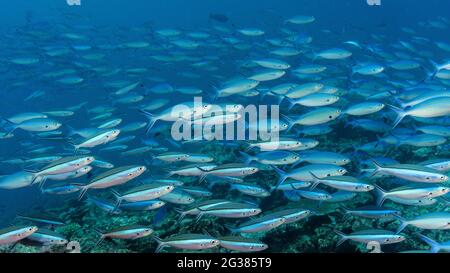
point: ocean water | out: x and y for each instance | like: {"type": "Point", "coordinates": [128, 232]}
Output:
{"type": "Point", "coordinates": [67, 70]}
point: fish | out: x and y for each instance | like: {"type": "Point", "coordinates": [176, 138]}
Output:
{"type": "Point", "coordinates": [143, 193]}
{"type": "Point", "coordinates": [242, 244]}
{"type": "Point", "coordinates": [47, 237]}
{"type": "Point", "coordinates": [409, 193]}
{"type": "Point", "coordinates": [435, 220]}
{"type": "Point", "coordinates": [13, 234]}
{"type": "Point", "coordinates": [189, 241]}
{"type": "Point", "coordinates": [132, 232]}
{"type": "Point", "coordinates": [410, 172]}
{"type": "Point", "coordinates": [381, 236]}
{"type": "Point", "coordinates": [435, 246]}
{"type": "Point", "coordinates": [113, 177]}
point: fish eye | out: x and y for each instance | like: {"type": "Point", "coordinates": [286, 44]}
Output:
{"type": "Point", "coordinates": [330, 117]}
{"type": "Point", "coordinates": [130, 174]}
{"type": "Point", "coordinates": [168, 187]}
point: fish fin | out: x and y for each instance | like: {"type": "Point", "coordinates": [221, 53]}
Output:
{"type": "Point", "coordinates": [182, 214]}
{"type": "Point", "coordinates": [199, 217]}
{"type": "Point", "coordinates": [84, 189]}
{"type": "Point", "coordinates": [435, 246]}
{"type": "Point", "coordinates": [248, 158]}
{"type": "Point", "coordinates": [315, 182]}
{"type": "Point", "coordinates": [230, 228]}
{"type": "Point", "coordinates": [151, 120]}
{"type": "Point", "coordinates": [343, 237]}
{"type": "Point", "coordinates": [283, 175]}
{"type": "Point", "coordinates": [378, 167]}
{"type": "Point", "coordinates": [401, 114]}
{"type": "Point", "coordinates": [291, 103]}
{"type": "Point", "coordinates": [72, 130]}
{"type": "Point", "coordinates": [118, 197]}
{"type": "Point", "coordinates": [173, 143]}
{"type": "Point", "coordinates": [248, 148]}
{"type": "Point", "coordinates": [203, 175]}
{"type": "Point", "coordinates": [101, 239]}
{"type": "Point", "coordinates": [432, 75]}
{"type": "Point", "coordinates": [160, 242]}
{"type": "Point", "coordinates": [403, 221]}
{"type": "Point", "coordinates": [381, 195]}
{"type": "Point", "coordinates": [9, 126]}
{"type": "Point", "coordinates": [292, 195]}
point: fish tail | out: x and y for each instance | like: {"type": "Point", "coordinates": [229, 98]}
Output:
{"type": "Point", "coordinates": [182, 214]}
{"type": "Point", "coordinates": [435, 247]}
{"type": "Point", "coordinates": [84, 189]}
{"type": "Point", "coordinates": [345, 211]}
{"type": "Point", "coordinates": [151, 120]}
{"type": "Point", "coordinates": [199, 217]}
{"type": "Point", "coordinates": [316, 181]}
{"type": "Point", "coordinates": [397, 100]}
{"type": "Point", "coordinates": [283, 175]}
{"type": "Point", "coordinates": [291, 103]}
{"type": "Point", "coordinates": [381, 195]}
{"type": "Point", "coordinates": [343, 237]}
{"type": "Point", "coordinates": [264, 93]}
{"type": "Point", "coordinates": [160, 242]}
{"type": "Point", "coordinates": [404, 223]}
{"type": "Point", "coordinates": [215, 94]}
{"type": "Point", "coordinates": [9, 126]}
{"type": "Point", "coordinates": [248, 148]}
{"type": "Point", "coordinates": [71, 130]}
{"type": "Point", "coordinates": [102, 237]}
{"type": "Point", "coordinates": [169, 174]}
{"type": "Point", "coordinates": [401, 114]}
{"type": "Point", "coordinates": [118, 197]}
{"type": "Point", "coordinates": [202, 176]}
{"type": "Point", "coordinates": [247, 157]}
{"type": "Point", "coordinates": [378, 167]}
{"type": "Point", "coordinates": [431, 75]}
{"type": "Point", "coordinates": [230, 228]}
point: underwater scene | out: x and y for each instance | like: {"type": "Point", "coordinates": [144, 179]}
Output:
{"type": "Point", "coordinates": [263, 126]}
